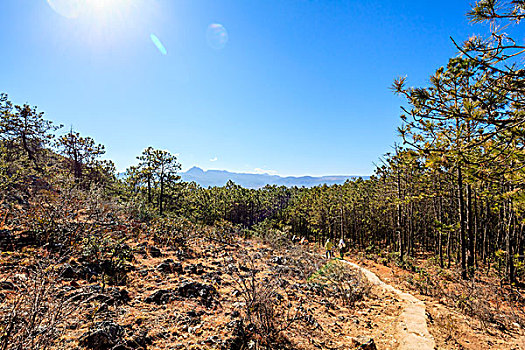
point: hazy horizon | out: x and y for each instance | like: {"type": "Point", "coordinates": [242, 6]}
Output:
{"type": "Point", "coordinates": [264, 172]}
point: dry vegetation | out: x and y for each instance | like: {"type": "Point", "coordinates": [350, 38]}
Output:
{"type": "Point", "coordinates": [105, 281]}
{"type": "Point", "coordinates": [168, 284]}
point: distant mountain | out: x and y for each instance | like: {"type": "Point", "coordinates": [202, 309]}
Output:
{"type": "Point", "coordinates": [221, 177]}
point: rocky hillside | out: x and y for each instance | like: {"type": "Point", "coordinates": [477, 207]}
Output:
{"type": "Point", "coordinates": [211, 289]}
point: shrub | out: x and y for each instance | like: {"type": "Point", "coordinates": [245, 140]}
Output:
{"type": "Point", "coordinates": [36, 314]}
{"type": "Point", "coordinates": [266, 313]}
{"type": "Point", "coordinates": [338, 281]}
{"type": "Point", "coordinates": [170, 231]}
{"type": "Point", "coordinates": [111, 255]}
{"type": "Point", "coordinates": [425, 283]}
{"type": "Point", "coordinates": [223, 232]}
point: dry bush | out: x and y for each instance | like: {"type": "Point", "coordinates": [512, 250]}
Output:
{"type": "Point", "coordinates": [170, 231]}
{"type": "Point", "coordinates": [448, 327]}
{"type": "Point", "coordinates": [61, 220]}
{"type": "Point", "coordinates": [277, 238]}
{"type": "Point", "coordinates": [303, 261]}
{"type": "Point", "coordinates": [223, 232]}
{"type": "Point", "coordinates": [110, 255]}
{"type": "Point", "coordinates": [489, 303]}
{"type": "Point", "coordinates": [266, 312]}
{"type": "Point", "coordinates": [53, 218]}
{"type": "Point", "coordinates": [74, 222]}
{"type": "Point", "coordinates": [339, 282]}
{"type": "Point", "coordinates": [35, 314]}
{"type": "Point", "coordinates": [426, 283]}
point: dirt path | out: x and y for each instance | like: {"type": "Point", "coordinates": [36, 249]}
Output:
{"type": "Point", "coordinates": [412, 331]}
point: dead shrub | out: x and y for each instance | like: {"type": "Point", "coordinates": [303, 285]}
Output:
{"type": "Point", "coordinates": [170, 231]}
{"type": "Point", "coordinates": [425, 283]}
{"type": "Point", "coordinates": [35, 314]}
{"type": "Point", "coordinates": [303, 262]}
{"type": "Point", "coordinates": [339, 282]}
{"type": "Point", "coordinates": [491, 304]}
{"type": "Point", "coordinates": [266, 312]}
{"type": "Point", "coordinates": [223, 232]}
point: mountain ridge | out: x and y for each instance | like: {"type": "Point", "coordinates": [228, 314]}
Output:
{"type": "Point", "coordinates": [214, 178]}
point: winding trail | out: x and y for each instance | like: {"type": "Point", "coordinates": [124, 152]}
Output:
{"type": "Point", "coordinates": [412, 331]}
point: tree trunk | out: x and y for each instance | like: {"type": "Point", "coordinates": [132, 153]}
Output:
{"type": "Point", "coordinates": [161, 194]}
{"type": "Point", "coordinates": [470, 231]}
{"type": "Point", "coordinates": [462, 238]}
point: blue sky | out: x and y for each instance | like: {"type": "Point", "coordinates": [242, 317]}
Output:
{"type": "Point", "coordinates": [300, 87]}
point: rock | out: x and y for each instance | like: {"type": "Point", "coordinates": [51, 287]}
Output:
{"type": "Point", "coordinates": [154, 252]}
{"type": "Point", "coordinates": [181, 254]}
{"type": "Point", "coordinates": [103, 336]}
{"type": "Point", "coordinates": [233, 343]}
{"type": "Point", "coordinates": [195, 269]}
{"type": "Point", "coordinates": [141, 249]}
{"type": "Point", "coordinates": [27, 239]}
{"type": "Point", "coordinates": [238, 339]}
{"type": "Point", "coordinates": [169, 266]}
{"type": "Point", "coordinates": [278, 260]}
{"type": "Point", "coordinates": [162, 335]}
{"type": "Point", "coordinates": [69, 272]}
{"type": "Point", "coordinates": [108, 295]}
{"type": "Point", "coordinates": [88, 270]}
{"type": "Point", "coordinates": [364, 343]}
{"type": "Point", "coordinates": [6, 240]}
{"type": "Point", "coordinates": [119, 296]}
{"type": "Point", "coordinates": [187, 289]}
{"type": "Point", "coordinates": [192, 289]}
{"type": "Point", "coordinates": [278, 296]}
{"type": "Point", "coordinates": [195, 330]}
{"type": "Point", "coordinates": [235, 325]}
{"type": "Point", "coordinates": [213, 339]}
{"type": "Point", "coordinates": [161, 296]}
{"type": "Point", "coordinates": [193, 313]}
{"type": "Point", "coordinates": [244, 268]}
{"type": "Point", "coordinates": [21, 277]}
{"type": "Point", "coordinates": [6, 285]}
{"type": "Point", "coordinates": [214, 277]}
{"type": "Point", "coordinates": [190, 321]}
{"type": "Point", "coordinates": [231, 268]}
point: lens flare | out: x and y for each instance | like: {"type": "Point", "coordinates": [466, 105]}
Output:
{"type": "Point", "coordinates": [216, 36]}
{"type": "Point", "coordinates": [67, 8]}
{"type": "Point", "coordinates": [158, 44]}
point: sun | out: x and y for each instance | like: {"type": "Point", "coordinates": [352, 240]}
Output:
{"type": "Point", "coordinates": [101, 4]}
{"type": "Point", "coordinates": [106, 7]}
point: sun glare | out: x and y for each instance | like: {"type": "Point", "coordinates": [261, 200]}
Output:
{"type": "Point", "coordinates": [103, 8]}
{"type": "Point", "coordinates": [104, 23]}
{"type": "Point", "coordinates": [80, 8]}
{"type": "Point", "coordinates": [101, 4]}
